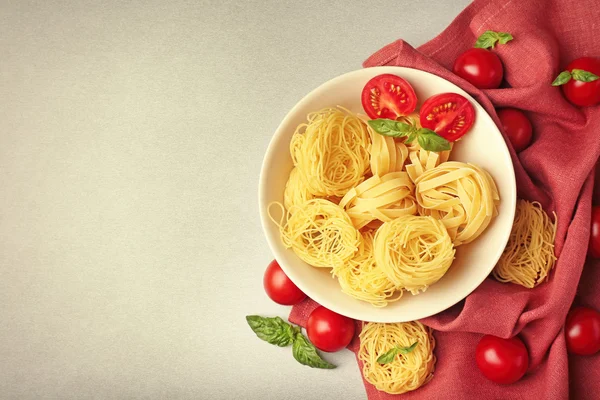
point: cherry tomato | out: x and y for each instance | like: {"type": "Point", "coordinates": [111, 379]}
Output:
{"type": "Point", "coordinates": [583, 93]}
{"type": "Point", "coordinates": [388, 96]}
{"type": "Point", "coordinates": [329, 331]}
{"type": "Point", "coordinates": [279, 287]}
{"type": "Point", "coordinates": [517, 127]}
{"type": "Point", "coordinates": [582, 331]}
{"type": "Point", "coordinates": [594, 245]}
{"type": "Point", "coordinates": [482, 68]}
{"type": "Point", "coordinates": [450, 115]}
{"type": "Point", "coordinates": [502, 360]}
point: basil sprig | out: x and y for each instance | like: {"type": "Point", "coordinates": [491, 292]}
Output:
{"type": "Point", "coordinates": [489, 39]}
{"type": "Point", "coordinates": [428, 139]}
{"type": "Point", "coordinates": [389, 355]}
{"type": "Point", "coordinates": [278, 332]}
{"type": "Point", "coordinates": [577, 74]}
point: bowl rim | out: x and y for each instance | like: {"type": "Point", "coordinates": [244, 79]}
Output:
{"type": "Point", "coordinates": [277, 249]}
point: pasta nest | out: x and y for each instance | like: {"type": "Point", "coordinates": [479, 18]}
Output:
{"type": "Point", "coordinates": [380, 198]}
{"type": "Point", "coordinates": [413, 251]}
{"type": "Point", "coordinates": [463, 196]}
{"type": "Point", "coordinates": [320, 233]}
{"type": "Point", "coordinates": [331, 151]}
{"type": "Point", "coordinates": [406, 372]}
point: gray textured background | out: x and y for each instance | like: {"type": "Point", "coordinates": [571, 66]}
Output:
{"type": "Point", "coordinates": [131, 138]}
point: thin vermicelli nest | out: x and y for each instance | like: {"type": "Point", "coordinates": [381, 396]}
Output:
{"type": "Point", "coordinates": [331, 151]}
{"type": "Point", "coordinates": [413, 251]}
{"type": "Point", "coordinates": [380, 198]}
{"type": "Point", "coordinates": [320, 233]}
{"type": "Point", "coordinates": [363, 280]}
{"type": "Point", "coordinates": [529, 254]}
{"type": "Point", "coordinates": [463, 196]}
{"type": "Point", "coordinates": [407, 371]}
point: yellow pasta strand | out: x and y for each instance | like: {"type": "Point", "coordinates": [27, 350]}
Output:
{"type": "Point", "coordinates": [331, 151]}
{"type": "Point", "coordinates": [363, 280]}
{"type": "Point", "coordinates": [319, 232]}
{"type": "Point", "coordinates": [463, 196]}
{"type": "Point", "coordinates": [408, 371]}
{"type": "Point", "coordinates": [420, 160]}
{"type": "Point", "coordinates": [413, 251]}
{"type": "Point", "coordinates": [380, 198]}
{"type": "Point", "coordinates": [529, 254]}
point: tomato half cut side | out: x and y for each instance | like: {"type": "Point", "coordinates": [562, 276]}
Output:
{"type": "Point", "coordinates": [450, 115]}
{"type": "Point", "coordinates": [388, 96]}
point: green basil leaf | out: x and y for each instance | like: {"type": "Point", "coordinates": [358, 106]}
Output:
{"type": "Point", "coordinates": [562, 78]}
{"type": "Point", "coordinates": [488, 39]}
{"type": "Point", "coordinates": [504, 37]}
{"type": "Point", "coordinates": [388, 356]}
{"type": "Point", "coordinates": [583, 76]}
{"type": "Point", "coordinates": [389, 127]}
{"type": "Point", "coordinates": [406, 350]}
{"type": "Point", "coordinates": [431, 141]}
{"type": "Point", "coordinates": [305, 353]}
{"type": "Point", "coordinates": [411, 137]}
{"type": "Point", "coordinates": [273, 330]}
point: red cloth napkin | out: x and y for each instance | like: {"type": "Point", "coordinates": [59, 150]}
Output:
{"type": "Point", "coordinates": [557, 170]}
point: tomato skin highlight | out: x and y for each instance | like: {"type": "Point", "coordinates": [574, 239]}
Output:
{"type": "Point", "coordinates": [480, 67]}
{"type": "Point", "coordinates": [517, 127]}
{"type": "Point", "coordinates": [500, 360]}
{"type": "Point", "coordinates": [583, 93]}
{"type": "Point", "coordinates": [594, 244]}
{"type": "Point", "coordinates": [582, 331]}
{"type": "Point", "coordinates": [329, 331]}
{"type": "Point", "coordinates": [279, 287]}
{"type": "Point", "coordinates": [388, 96]}
{"type": "Point", "coordinates": [450, 115]}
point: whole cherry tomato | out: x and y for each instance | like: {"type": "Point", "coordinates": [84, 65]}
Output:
{"type": "Point", "coordinates": [502, 360]}
{"type": "Point", "coordinates": [594, 244]}
{"type": "Point", "coordinates": [517, 127]}
{"type": "Point", "coordinates": [579, 89]}
{"type": "Point", "coordinates": [329, 331]}
{"type": "Point", "coordinates": [481, 67]}
{"type": "Point", "coordinates": [279, 287]}
{"type": "Point", "coordinates": [582, 331]}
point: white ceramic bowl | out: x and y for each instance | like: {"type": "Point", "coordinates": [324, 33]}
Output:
{"type": "Point", "coordinates": [483, 146]}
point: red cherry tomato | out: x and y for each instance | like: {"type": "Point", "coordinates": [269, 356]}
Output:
{"type": "Point", "coordinates": [450, 115]}
{"type": "Point", "coordinates": [502, 360]}
{"type": "Point", "coordinates": [482, 68]}
{"type": "Point", "coordinates": [517, 127]}
{"type": "Point", "coordinates": [279, 287]}
{"type": "Point", "coordinates": [582, 331]}
{"type": "Point", "coordinates": [583, 93]}
{"type": "Point", "coordinates": [594, 245]}
{"type": "Point", "coordinates": [329, 331]}
{"type": "Point", "coordinates": [388, 96]}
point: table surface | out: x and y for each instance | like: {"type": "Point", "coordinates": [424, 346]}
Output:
{"type": "Point", "coordinates": [131, 141]}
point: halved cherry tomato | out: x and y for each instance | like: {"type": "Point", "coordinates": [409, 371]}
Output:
{"type": "Point", "coordinates": [388, 96]}
{"type": "Point", "coordinates": [279, 287]}
{"type": "Point", "coordinates": [582, 331]}
{"type": "Point", "coordinates": [450, 115]}
{"type": "Point", "coordinates": [517, 127]}
{"type": "Point", "coordinates": [482, 68]}
{"type": "Point", "coordinates": [502, 360]}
